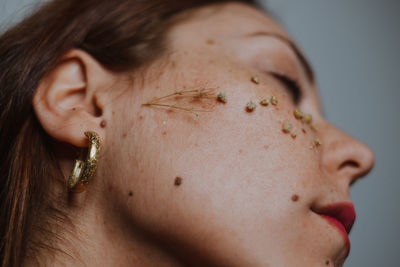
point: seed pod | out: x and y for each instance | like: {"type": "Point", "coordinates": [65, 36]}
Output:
{"type": "Point", "coordinates": [251, 106]}
{"type": "Point", "coordinates": [287, 127]}
{"type": "Point", "coordinates": [255, 79]}
{"type": "Point", "coordinates": [298, 114]}
{"type": "Point", "coordinates": [264, 102]}
{"type": "Point", "coordinates": [274, 100]}
{"type": "Point", "coordinates": [222, 97]}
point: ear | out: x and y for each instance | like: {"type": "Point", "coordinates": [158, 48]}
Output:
{"type": "Point", "coordinates": [70, 98]}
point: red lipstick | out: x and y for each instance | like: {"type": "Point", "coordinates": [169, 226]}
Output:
{"type": "Point", "coordinates": [340, 215]}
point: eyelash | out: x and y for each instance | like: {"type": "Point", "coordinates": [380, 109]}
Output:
{"type": "Point", "coordinates": [290, 84]}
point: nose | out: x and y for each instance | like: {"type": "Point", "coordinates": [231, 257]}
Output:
{"type": "Point", "coordinates": [344, 156]}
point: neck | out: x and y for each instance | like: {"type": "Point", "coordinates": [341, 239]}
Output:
{"type": "Point", "coordinates": [97, 237]}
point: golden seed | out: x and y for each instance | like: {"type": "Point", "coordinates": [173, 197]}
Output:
{"type": "Point", "coordinates": [264, 102]}
{"type": "Point", "coordinates": [317, 142]}
{"type": "Point", "coordinates": [251, 106]}
{"type": "Point", "coordinates": [255, 79]}
{"type": "Point", "coordinates": [274, 100]}
{"type": "Point", "coordinates": [222, 97]}
{"type": "Point", "coordinates": [293, 135]}
{"type": "Point", "coordinates": [307, 118]}
{"type": "Point", "coordinates": [298, 114]}
{"type": "Point", "coordinates": [287, 127]}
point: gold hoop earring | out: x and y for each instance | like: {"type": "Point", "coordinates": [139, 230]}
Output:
{"type": "Point", "coordinates": [84, 170]}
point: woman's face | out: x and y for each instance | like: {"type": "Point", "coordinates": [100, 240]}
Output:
{"type": "Point", "coordinates": [248, 194]}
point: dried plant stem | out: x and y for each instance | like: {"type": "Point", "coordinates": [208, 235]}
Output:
{"type": "Point", "coordinates": [196, 94]}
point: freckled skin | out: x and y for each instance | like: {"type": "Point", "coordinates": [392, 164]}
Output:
{"type": "Point", "coordinates": [233, 210]}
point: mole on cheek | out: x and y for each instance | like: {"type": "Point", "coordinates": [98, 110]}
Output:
{"type": "Point", "coordinates": [103, 123]}
{"type": "Point", "coordinates": [210, 42]}
{"type": "Point", "coordinates": [130, 193]}
{"type": "Point", "coordinates": [295, 198]}
{"type": "Point", "coordinates": [327, 262]}
{"type": "Point", "coordinates": [124, 135]}
{"type": "Point", "coordinates": [178, 181]}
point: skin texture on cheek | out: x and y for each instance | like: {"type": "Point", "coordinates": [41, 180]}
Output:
{"type": "Point", "coordinates": [246, 182]}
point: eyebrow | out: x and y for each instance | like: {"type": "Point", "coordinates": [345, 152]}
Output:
{"type": "Point", "coordinates": [303, 60]}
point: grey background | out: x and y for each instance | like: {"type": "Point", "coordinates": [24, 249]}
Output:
{"type": "Point", "coordinates": [353, 46]}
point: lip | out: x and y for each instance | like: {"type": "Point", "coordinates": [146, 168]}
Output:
{"type": "Point", "coordinates": [340, 215]}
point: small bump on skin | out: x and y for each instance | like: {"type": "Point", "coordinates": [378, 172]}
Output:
{"type": "Point", "coordinates": [178, 181]}
{"type": "Point", "coordinates": [266, 147]}
{"type": "Point", "coordinates": [240, 151]}
{"type": "Point", "coordinates": [255, 79]}
{"type": "Point", "coordinates": [73, 109]}
{"type": "Point", "coordinates": [164, 133]}
{"type": "Point", "coordinates": [295, 198]}
{"type": "Point", "coordinates": [274, 100]}
{"type": "Point", "coordinates": [124, 135]}
{"type": "Point", "coordinates": [250, 106]}
{"type": "Point", "coordinates": [130, 193]}
{"type": "Point", "coordinates": [103, 123]}
{"type": "Point", "coordinates": [304, 131]}
{"type": "Point", "coordinates": [293, 135]}
{"type": "Point", "coordinates": [327, 262]}
{"type": "Point", "coordinates": [140, 117]}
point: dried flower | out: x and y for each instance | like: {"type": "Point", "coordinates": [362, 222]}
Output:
{"type": "Point", "coordinates": [307, 118]}
{"type": "Point", "coordinates": [298, 114]}
{"type": "Point", "coordinates": [222, 97]}
{"type": "Point", "coordinates": [251, 106]}
{"type": "Point", "coordinates": [195, 94]}
{"type": "Point", "coordinates": [255, 79]}
{"type": "Point", "coordinates": [287, 127]}
{"type": "Point", "coordinates": [274, 100]}
{"type": "Point", "coordinates": [317, 142]}
{"type": "Point", "coordinates": [264, 102]}
{"type": "Point", "coordinates": [314, 127]}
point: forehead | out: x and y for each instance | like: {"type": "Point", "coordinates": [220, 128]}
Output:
{"type": "Point", "coordinates": [227, 20]}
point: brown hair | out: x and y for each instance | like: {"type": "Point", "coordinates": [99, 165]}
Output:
{"type": "Point", "coordinates": [121, 35]}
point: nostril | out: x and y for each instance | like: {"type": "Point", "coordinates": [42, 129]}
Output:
{"type": "Point", "coordinates": [349, 163]}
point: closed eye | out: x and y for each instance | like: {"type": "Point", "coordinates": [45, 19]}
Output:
{"type": "Point", "coordinates": [291, 85]}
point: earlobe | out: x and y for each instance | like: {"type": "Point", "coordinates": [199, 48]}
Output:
{"type": "Point", "coordinates": [68, 100]}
